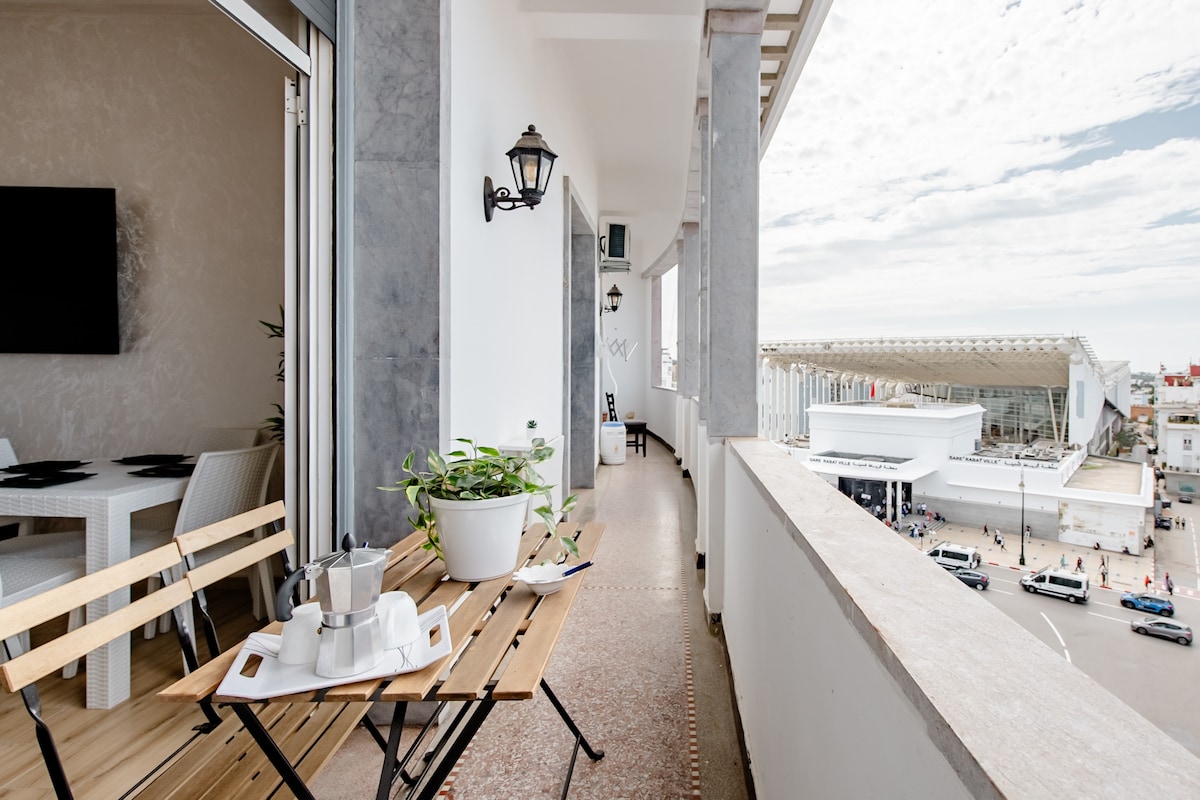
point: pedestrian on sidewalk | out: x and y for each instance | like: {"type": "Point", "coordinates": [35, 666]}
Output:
{"type": "Point", "coordinates": [1002, 550]}
{"type": "Point", "coordinates": [1062, 561]}
{"type": "Point", "coordinates": [1103, 574]}
{"type": "Point", "coordinates": [1079, 564]}
{"type": "Point", "coordinates": [985, 529]}
{"type": "Point", "coordinates": [1170, 584]}
{"type": "Point", "coordinates": [1147, 582]}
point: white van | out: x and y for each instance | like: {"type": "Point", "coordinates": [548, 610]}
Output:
{"type": "Point", "coordinates": [955, 556]}
{"type": "Point", "coordinates": [1071, 585]}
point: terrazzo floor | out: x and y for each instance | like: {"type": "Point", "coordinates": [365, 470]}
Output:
{"type": "Point", "coordinates": [625, 668]}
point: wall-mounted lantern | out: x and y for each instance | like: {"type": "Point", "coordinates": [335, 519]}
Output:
{"type": "Point", "coordinates": [532, 162]}
{"type": "Point", "coordinates": [614, 300]}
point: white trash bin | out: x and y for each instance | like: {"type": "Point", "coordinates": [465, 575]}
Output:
{"type": "Point", "coordinates": [612, 443]}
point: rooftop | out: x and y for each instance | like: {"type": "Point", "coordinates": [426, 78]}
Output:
{"type": "Point", "coordinates": [1101, 474]}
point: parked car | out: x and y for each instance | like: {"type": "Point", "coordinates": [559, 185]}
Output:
{"type": "Point", "coordinates": [1185, 498]}
{"type": "Point", "coordinates": [1165, 503]}
{"type": "Point", "coordinates": [1162, 522]}
{"type": "Point", "coordinates": [1148, 601]}
{"type": "Point", "coordinates": [972, 577]}
{"type": "Point", "coordinates": [1166, 629]}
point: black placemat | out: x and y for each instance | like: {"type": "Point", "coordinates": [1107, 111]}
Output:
{"type": "Point", "coordinates": [43, 479]}
{"type": "Point", "coordinates": [165, 471]}
{"type": "Point", "coordinates": [151, 459]}
{"type": "Point", "coordinates": [38, 467]}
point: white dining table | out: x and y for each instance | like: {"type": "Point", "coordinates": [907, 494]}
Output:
{"type": "Point", "coordinates": [105, 503]}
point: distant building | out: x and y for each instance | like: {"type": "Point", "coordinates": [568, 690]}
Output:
{"type": "Point", "coordinates": [1002, 431]}
{"type": "Point", "coordinates": [1177, 412]}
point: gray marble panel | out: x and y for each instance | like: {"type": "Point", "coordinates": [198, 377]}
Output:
{"type": "Point", "coordinates": [397, 80]}
{"type": "Point", "coordinates": [705, 223]}
{"type": "Point", "coordinates": [396, 403]}
{"type": "Point", "coordinates": [733, 235]}
{"type": "Point", "coordinates": [690, 310]}
{"type": "Point", "coordinates": [584, 366]}
{"type": "Point", "coordinates": [396, 260]}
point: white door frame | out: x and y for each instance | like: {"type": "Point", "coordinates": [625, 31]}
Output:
{"type": "Point", "coordinates": [308, 276]}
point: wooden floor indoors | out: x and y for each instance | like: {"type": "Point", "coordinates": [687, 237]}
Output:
{"type": "Point", "coordinates": [107, 751]}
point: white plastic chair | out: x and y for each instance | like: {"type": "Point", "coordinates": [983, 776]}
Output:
{"type": "Point", "coordinates": [223, 485]}
{"type": "Point", "coordinates": [207, 440]}
{"type": "Point", "coordinates": [202, 440]}
{"type": "Point", "coordinates": [24, 577]}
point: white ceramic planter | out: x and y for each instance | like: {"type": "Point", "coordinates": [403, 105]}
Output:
{"type": "Point", "coordinates": [480, 538]}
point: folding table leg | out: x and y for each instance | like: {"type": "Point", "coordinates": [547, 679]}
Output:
{"type": "Point", "coordinates": [455, 749]}
{"type": "Point", "coordinates": [594, 755]}
{"type": "Point", "coordinates": [272, 751]}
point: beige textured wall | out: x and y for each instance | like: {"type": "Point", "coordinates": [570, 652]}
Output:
{"type": "Point", "coordinates": [181, 112]}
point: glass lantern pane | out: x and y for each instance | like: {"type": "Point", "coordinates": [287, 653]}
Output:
{"type": "Point", "coordinates": [544, 174]}
{"type": "Point", "coordinates": [529, 168]}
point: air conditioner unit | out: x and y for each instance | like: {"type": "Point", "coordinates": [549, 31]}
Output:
{"type": "Point", "coordinates": [615, 248]}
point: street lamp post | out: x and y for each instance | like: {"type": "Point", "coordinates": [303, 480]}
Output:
{"type": "Point", "coordinates": [1021, 486]}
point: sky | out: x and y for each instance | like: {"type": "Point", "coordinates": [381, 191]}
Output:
{"type": "Point", "coordinates": [951, 168]}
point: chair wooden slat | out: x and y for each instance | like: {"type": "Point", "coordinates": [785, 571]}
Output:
{"type": "Point", "coordinates": [56, 602]}
{"type": "Point", "coordinates": [200, 538]}
{"type": "Point", "coordinates": [53, 655]}
{"type": "Point", "coordinates": [204, 575]}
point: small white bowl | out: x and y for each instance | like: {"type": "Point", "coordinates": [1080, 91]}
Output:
{"type": "Point", "coordinates": [543, 578]}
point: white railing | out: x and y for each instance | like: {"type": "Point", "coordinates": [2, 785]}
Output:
{"type": "Point", "coordinates": [861, 670]}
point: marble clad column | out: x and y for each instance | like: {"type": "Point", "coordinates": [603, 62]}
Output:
{"type": "Point", "coordinates": [702, 388]}
{"type": "Point", "coordinates": [399, 215]}
{"type": "Point", "coordinates": [734, 39]}
{"type": "Point", "coordinates": [689, 310]}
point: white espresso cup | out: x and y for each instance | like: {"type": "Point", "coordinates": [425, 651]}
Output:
{"type": "Point", "coordinates": [301, 635]}
{"type": "Point", "coordinates": [397, 619]}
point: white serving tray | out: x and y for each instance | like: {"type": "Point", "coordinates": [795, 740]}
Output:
{"type": "Point", "coordinates": [273, 679]}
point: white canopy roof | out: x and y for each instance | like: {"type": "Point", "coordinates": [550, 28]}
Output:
{"type": "Point", "coordinates": [1040, 360]}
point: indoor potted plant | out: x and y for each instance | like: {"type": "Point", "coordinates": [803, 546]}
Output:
{"type": "Point", "coordinates": [472, 507]}
{"type": "Point", "coordinates": [531, 429]}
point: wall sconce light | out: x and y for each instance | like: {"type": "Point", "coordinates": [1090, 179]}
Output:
{"type": "Point", "coordinates": [614, 300]}
{"type": "Point", "coordinates": [531, 161]}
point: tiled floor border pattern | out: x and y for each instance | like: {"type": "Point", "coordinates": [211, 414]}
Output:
{"type": "Point", "coordinates": [693, 748]}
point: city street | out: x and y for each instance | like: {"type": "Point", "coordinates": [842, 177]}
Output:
{"type": "Point", "coordinates": [1153, 676]}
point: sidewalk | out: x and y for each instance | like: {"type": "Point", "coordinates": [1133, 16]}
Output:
{"type": "Point", "coordinates": [1125, 573]}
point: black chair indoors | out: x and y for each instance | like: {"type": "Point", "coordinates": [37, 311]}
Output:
{"type": "Point", "coordinates": [635, 429]}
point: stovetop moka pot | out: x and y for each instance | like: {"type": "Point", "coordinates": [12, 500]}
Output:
{"type": "Point", "coordinates": [348, 583]}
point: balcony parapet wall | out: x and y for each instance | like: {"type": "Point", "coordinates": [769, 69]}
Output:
{"type": "Point", "coordinates": [862, 670]}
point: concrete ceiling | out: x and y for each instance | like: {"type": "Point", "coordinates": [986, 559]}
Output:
{"type": "Point", "coordinates": [640, 67]}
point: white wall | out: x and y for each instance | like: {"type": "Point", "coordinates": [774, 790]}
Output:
{"type": "Point", "coordinates": [930, 434]}
{"type": "Point", "coordinates": [628, 379]}
{"type": "Point", "coordinates": [182, 113]}
{"type": "Point", "coordinates": [1085, 394]}
{"type": "Point", "coordinates": [660, 414]}
{"type": "Point", "coordinates": [506, 346]}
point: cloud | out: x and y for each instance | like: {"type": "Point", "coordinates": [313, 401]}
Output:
{"type": "Point", "coordinates": [1024, 167]}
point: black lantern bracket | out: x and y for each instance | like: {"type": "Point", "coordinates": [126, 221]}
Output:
{"type": "Point", "coordinates": [532, 161]}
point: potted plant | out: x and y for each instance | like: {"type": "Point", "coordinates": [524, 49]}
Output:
{"type": "Point", "coordinates": [472, 508]}
{"type": "Point", "coordinates": [531, 429]}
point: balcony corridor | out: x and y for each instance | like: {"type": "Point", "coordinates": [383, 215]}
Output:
{"type": "Point", "coordinates": [636, 667]}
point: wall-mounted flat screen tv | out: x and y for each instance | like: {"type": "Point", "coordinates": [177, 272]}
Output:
{"type": "Point", "coordinates": [58, 270]}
